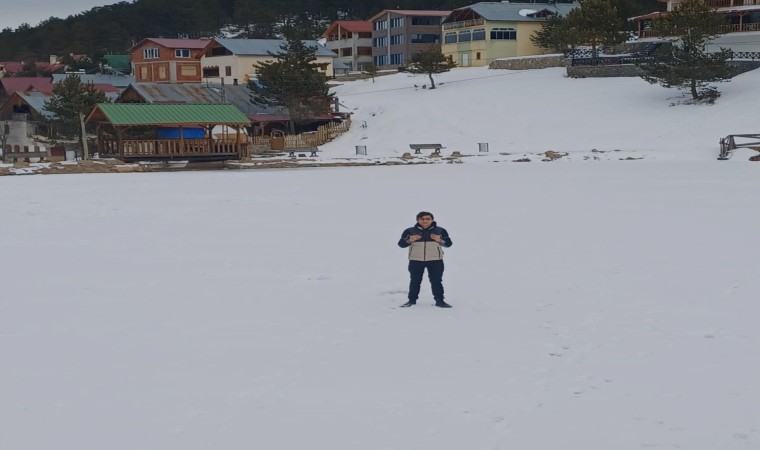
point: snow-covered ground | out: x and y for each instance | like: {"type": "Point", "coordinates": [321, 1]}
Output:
{"type": "Point", "coordinates": [597, 306]}
{"type": "Point", "coordinates": [533, 111]}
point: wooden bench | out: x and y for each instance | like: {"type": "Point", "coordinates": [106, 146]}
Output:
{"type": "Point", "coordinates": [292, 151]}
{"type": "Point", "coordinates": [419, 147]}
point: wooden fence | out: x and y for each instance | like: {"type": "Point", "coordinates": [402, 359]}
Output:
{"type": "Point", "coordinates": [324, 134]}
{"type": "Point", "coordinates": [142, 148]}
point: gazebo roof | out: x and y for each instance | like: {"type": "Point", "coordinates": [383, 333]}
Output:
{"type": "Point", "coordinates": [138, 114]}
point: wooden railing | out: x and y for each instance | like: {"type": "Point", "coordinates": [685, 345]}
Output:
{"type": "Point", "coordinates": [324, 134]}
{"type": "Point", "coordinates": [731, 28]}
{"type": "Point", "coordinates": [722, 3]}
{"type": "Point", "coordinates": [132, 148]}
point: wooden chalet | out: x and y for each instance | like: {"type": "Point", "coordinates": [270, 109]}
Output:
{"type": "Point", "coordinates": [740, 16]}
{"type": "Point", "coordinates": [163, 132]}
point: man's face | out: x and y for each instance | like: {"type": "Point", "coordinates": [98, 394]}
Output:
{"type": "Point", "coordinates": [425, 221]}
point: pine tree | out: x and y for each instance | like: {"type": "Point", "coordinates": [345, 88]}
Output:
{"type": "Point", "coordinates": [71, 98]}
{"type": "Point", "coordinates": [596, 23]}
{"type": "Point", "coordinates": [431, 61]}
{"type": "Point", "coordinates": [688, 65]}
{"type": "Point", "coordinates": [556, 35]}
{"type": "Point", "coordinates": [292, 81]}
{"type": "Point", "coordinates": [371, 71]}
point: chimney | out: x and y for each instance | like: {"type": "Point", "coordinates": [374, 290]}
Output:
{"type": "Point", "coordinates": [53, 59]}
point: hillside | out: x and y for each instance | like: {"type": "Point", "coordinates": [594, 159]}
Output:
{"type": "Point", "coordinates": [526, 113]}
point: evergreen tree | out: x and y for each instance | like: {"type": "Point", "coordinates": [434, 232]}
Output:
{"type": "Point", "coordinates": [556, 34]}
{"type": "Point", "coordinates": [431, 61]}
{"type": "Point", "coordinates": [292, 81]}
{"type": "Point", "coordinates": [71, 98]}
{"type": "Point", "coordinates": [596, 23]}
{"type": "Point", "coordinates": [371, 70]}
{"type": "Point", "coordinates": [688, 65]}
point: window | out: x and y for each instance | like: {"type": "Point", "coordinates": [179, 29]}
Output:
{"type": "Point", "coordinates": [477, 55]}
{"type": "Point", "coordinates": [380, 42]}
{"type": "Point", "coordinates": [397, 58]}
{"type": "Point", "coordinates": [380, 25]}
{"type": "Point", "coordinates": [425, 38]}
{"type": "Point", "coordinates": [397, 39]}
{"type": "Point", "coordinates": [397, 22]}
{"type": "Point", "coordinates": [381, 60]}
{"type": "Point", "coordinates": [182, 53]}
{"type": "Point", "coordinates": [450, 38]}
{"type": "Point", "coordinates": [504, 34]}
{"type": "Point", "coordinates": [163, 72]}
{"type": "Point", "coordinates": [150, 53]}
{"type": "Point", "coordinates": [348, 51]}
{"type": "Point", "coordinates": [144, 72]}
{"type": "Point", "coordinates": [479, 34]}
{"type": "Point", "coordinates": [228, 71]}
{"type": "Point", "coordinates": [188, 70]}
{"type": "Point", "coordinates": [425, 20]}
{"type": "Point", "coordinates": [210, 72]}
{"type": "Point", "coordinates": [465, 36]}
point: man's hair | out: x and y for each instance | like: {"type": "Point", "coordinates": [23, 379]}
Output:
{"type": "Point", "coordinates": [423, 214]}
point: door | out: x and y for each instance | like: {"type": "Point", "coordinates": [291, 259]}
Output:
{"type": "Point", "coordinates": [465, 60]}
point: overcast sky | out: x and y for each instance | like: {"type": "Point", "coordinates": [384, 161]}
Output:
{"type": "Point", "coordinates": [16, 12]}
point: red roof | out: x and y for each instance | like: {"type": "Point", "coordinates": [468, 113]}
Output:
{"type": "Point", "coordinates": [352, 26]}
{"type": "Point", "coordinates": [104, 87]}
{"type": "Point", "coordinates": [195, 44]}
{"type": "Point", "coordinates": [356, 26]}
{"type": "Point", "coordinates": [17, 66]}
{"type": "Point", "coordinates": [13, 84]}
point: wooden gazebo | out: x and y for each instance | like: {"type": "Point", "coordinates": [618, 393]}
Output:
{"type": "Point", "coordinates": [171, 126]}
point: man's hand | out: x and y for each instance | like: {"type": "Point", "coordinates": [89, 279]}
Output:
{"type": "Point", "coordinates": [437, 238]}
{"type": "Point", "coordinates": [413, 238]}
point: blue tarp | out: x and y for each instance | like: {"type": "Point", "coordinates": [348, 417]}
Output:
{"type": "Point", "coordinates": [173, 133]}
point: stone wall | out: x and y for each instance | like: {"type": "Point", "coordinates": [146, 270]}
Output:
{"type": "Point", "coordinates": [618, 70]}
{"type": "Point", "coordinates": [629, 70]}
{"type": "Point", "coordinates": [528, 62]}
{"type": "Point", "coordinates": [745, 66]}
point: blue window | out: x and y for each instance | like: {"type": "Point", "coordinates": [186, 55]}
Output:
{"type": "Point", "coordinates": [479, 34]}
{"type": "Point", "coordinates": [450, 38]}
{"type": "Point", "coordinates": [465, 36]}
{"type": "Point", "coordinates": [397, 58]}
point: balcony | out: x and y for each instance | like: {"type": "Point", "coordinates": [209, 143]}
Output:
{"type": "Point", "coordinates": [464, 24]}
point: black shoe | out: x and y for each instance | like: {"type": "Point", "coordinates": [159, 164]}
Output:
{"type": "Point", "coordinates": [442, 304]}
{"type": "Point", "coordinates": [409, 303]}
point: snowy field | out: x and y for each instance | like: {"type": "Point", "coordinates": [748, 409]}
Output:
{"type": "Point", "coordinates": [597, 306]}
{"type": "Point", "coordinates": [528, 112]}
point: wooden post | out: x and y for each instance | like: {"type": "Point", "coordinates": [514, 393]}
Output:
{"type": "Point", "coordinates": [237, 142]}
{"type": "Point", "coordinates": [181, 142]}
{"type": "Point", "coordinates": [119, 142]}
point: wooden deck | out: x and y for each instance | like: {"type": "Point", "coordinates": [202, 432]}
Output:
{"type": "Point", "coordinates": [196, 149]}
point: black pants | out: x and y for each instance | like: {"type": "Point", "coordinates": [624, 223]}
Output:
{"type": "Point", "coordinates": [435, 274]}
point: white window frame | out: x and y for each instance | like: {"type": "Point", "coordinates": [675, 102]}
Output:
{"type": "Point", "coordinates": [151, 53]}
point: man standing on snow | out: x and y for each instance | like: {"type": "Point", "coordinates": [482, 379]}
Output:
{"type": "Point", "coordinates": [425, 240]}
